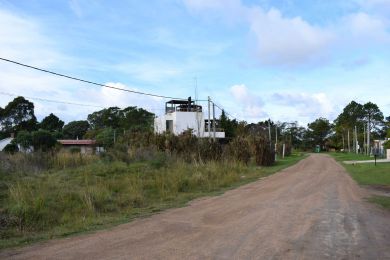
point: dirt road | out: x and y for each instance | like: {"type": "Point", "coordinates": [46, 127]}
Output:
{"type": "Point", "coordinates": [312, 210]}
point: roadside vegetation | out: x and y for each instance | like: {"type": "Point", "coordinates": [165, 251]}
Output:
{"type": "Point", "coordinates": [71, 193]}
{"type": "Point", "coordinates": [339, 156]}
{"type": "Point", "coordinates": [368, 174]}
{"type": "Point", "coordinates": [47, 192]}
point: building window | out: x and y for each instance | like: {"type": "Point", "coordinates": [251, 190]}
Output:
{"type": "Point", "coordinates": [169, 126]}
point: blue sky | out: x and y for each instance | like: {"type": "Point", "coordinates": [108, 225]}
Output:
{"type": "Point", "coordinates": [287, 60]}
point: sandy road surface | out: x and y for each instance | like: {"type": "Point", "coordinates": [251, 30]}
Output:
{"type": "Point", "coordinates": [312, 210]}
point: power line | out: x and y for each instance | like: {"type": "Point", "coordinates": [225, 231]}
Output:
{"type": "Point", "coordinates": [50, 100]}
{"type": "Point", "coordinates": [86, 81]}
{"type": "Point", "coordinates": [224, 111]}
{"type": "Point", "coordinates": [93, 83]}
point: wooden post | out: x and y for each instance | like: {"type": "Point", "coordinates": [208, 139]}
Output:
{"type": "Point", "coordinates": [213, 121]}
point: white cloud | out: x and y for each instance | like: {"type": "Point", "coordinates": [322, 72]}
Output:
{"type": "Point", "coordinates": [287, 41]}
{"type": "Point", "coordinates": [278, 40]}
{"type": "Point", "coordinates": [307, 105]}
{"type": "Point", "coordinates": [362, 27]}
{"type": "Point", "coordinates": [23, 40]}
{"type": "Point", "coordinates": [110, 97]}
{"type": "Point", "coordinates": [292, 41]}
{"type": "Point", "coordinates": [251, 104]}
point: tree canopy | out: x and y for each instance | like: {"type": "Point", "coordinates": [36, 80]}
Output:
{"type": "Point", "coordinates": [75, 129]}
{"type": "Point", "coordinates": [51, 123]}
{"type": "Point", "coordinates": [129, 118]}
{"type": "Point", "coordinates": [18, 115]}
{"type": "Point", "coordinates": [319, 131]}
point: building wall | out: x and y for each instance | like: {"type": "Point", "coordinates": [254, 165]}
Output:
{"type": "Point", "coordinates": [183, 121]}
{"type": "Point", "coordinates": [4, 142]}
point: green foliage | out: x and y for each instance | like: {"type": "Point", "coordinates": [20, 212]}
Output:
{"type": "Point", "coordinates": [11, 148]}
{"type": "Point", "coordinates": [228, 125]}
{"type": "Point", "coordinates": [386, 145]}
{"type": "Point", "coordinates": [105, 137]}
{"type": "Point", "coordinates": [90, 193]}
{"type": "Point", "coordinates": [42, 140]}
{"type": "Point", "coordinates": [369, 174]}
{"type": "Point", "coordinates": [75, 129]}
{"type": "Point", "coordinates": [130, 118]}
{"type": "Point", "coordinates": [24, 139]}
{"type": "Point", "coordinates": [51, 123]}
{"type": "Point", "coordinates": [372, 114]}
{"type": "Point", "coordinates": [18, 115]}
{"type": "Point", "coordinates": [381, 200]}
{"type": "Point", "coordinates": [319, 131]}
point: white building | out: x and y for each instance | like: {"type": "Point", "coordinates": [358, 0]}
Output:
{"type": "Point", "coordinates": [181, 115]}
{"type": "Point", "coordinates": [5, 142]}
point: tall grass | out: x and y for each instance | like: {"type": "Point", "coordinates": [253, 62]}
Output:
{"type": "Point", "coordinates": [51, 194]}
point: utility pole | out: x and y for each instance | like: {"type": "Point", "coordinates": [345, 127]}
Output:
{"type": "Point", "coordinates": [209, 123]}
{"type": "Point", "coordinates": [368, 137]}
{"type": "Point", "coordinates": [269, 133]}
{"type": "Point", "coordinates": [213, 121]}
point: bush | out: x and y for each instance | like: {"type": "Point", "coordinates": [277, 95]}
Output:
{"type": "Point", "coordinates": [11, 148]}
{"type": "Point", "coordinates": [43, 140]}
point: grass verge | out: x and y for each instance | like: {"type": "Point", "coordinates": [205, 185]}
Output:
{"type": "Point", "coordinates": [350, 156]}
{"type": "Point", "coordinates": [368, 174]}
{"type": "Point", "coordinates": [58, 203]}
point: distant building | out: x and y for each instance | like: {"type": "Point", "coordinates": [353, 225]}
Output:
{"type": "Point", "coordinates": [5, 142]}
{"type": "Point", "coordinates": [378, 148]}
{"type": "Point", "coordinates": [181, 115]}
{"type": "Point", "coordinates": [86, 146]}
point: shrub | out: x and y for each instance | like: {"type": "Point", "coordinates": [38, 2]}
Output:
{"type": "Point", "coordinates": [11, 148]}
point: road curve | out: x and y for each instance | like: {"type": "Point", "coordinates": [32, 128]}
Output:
{"type": "Point", "coordinates": [312, 210]}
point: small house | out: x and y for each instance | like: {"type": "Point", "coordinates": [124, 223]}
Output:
{"type": "Point", "coordinates": [85, 146]}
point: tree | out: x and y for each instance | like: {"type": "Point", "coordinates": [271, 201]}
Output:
{"type": "Point", "coordinates": [42, 140]}
{"type": "Point", "coordinates": [51, 123]}
{"type": "Point", "coordinates": [374, 118]}
{"type": "Point", "coordinates": [229, 126]}
{"type": "Point", "coordinates": [75, 129]}
{"type": "Point", "coordinates": [130, 118]}
{"type": "Point", "coordinates": [138, 119]}
{"type": "Point", "coordinates": [105, 137]}
{"type": "Point", "coordinates": [295, 134]}
{"type": "Point", "coordinates": [372, 115]}
{"type": "Point", "coordinates": [108, 117]}
{"type": "Point", "coordinates": [18, 115]}
{"type": "Point", "coordinates": [352, 115]}
{"type": "Point", "coordinates": [319, 131]}
{"type": "Point", "coordinates": [24, 139]}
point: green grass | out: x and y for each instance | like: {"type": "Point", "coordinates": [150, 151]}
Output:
{"type": "Point", "coordinates": [381, 200]}
{"type": "Point", "coordinates": [368, 174]}
{"type": "Point", "coordinates": [56, 203]}
{"type": "Point", "coordinates": [339, 156]}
